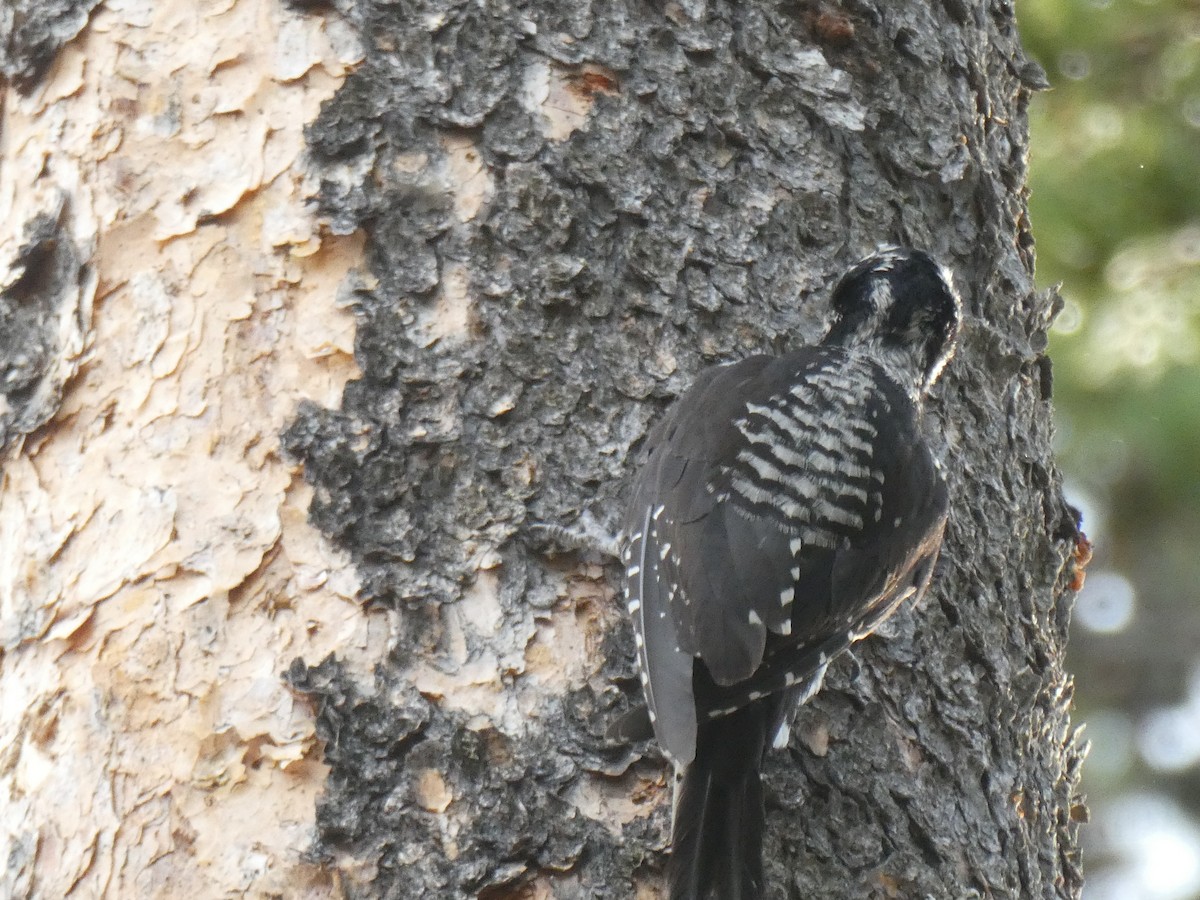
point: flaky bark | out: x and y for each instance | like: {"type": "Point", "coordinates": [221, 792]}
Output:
{"type": "Point", "coordinates": [167, 299]}
{"type": "Point", "coordinates": [568, 210]}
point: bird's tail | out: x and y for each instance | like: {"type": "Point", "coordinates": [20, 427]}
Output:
{"type": "Point", "coordinates": [716, 840]}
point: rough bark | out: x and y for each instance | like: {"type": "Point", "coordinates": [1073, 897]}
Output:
{"type": "Point", "coordinates": [569, 209]}
{"type": "Point", "coordinates": [569, 213]}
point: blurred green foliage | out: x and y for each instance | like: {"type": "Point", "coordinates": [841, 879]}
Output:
{"type": "Point", "coordinates": [1115, 176]}
{"type": "Point", "coordinates": [1115, 206]}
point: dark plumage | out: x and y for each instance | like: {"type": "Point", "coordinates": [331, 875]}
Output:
{"type": "Point", "coordinates": [786, 507]}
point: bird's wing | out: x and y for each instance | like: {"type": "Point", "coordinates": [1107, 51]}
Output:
{"type": "Point", "coordinates": [785, 508]}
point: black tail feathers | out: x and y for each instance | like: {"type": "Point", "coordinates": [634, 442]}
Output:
{"type": "Point", "coordinates": [716, 845]}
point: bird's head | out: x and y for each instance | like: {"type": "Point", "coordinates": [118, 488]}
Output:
{"type": "Point", "coordinates": [900, 304]}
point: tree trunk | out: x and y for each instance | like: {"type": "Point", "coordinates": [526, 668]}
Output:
{"type": "Point", "coordinates": [166, 300]}
{"type": "Point", "coordinates": [566, 211]}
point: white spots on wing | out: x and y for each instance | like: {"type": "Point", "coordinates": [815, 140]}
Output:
{"type": "Point", "coordinates": [795, 570]}
{"type": "Point", "coordinates": [827, 464]}
{"type": "Point", "coordinates": [813, 684]}
{"type": "Point", "coordinates": [789, 679]}
{"type": "Point", "coordinates": [756, 695]}
{"type": "Point", "coordinates": [804, 500]}
{"type": "Point", "coordinates": [786, 596]}
{"type": "Point", "coordinates": [896, 522]}
{"type": "Point", "coordinates": [795, 481]}
{"type": "Point", "coordinates": [653, 717]}
{"type": "Point", "coordinates": [788, 417]}
{"type": "Point", "coordinates": [786, 628]}
{"type": "Point", "coordinates": [634, 605]}
{"type": "Point", "coordinates": [822, 538]}
{"type": "Point", "coordinates": [817, 535]}
{"type": "Point", "coordinates": [843, 391]}
{"type": "Point", "coordinates": [754, 617]}
{"type": "Point", "coordinates": [782, 737]}
{"type": "Point", "coordinates": [658, 511]}
{"type": "Point", "coordinates": [808, 450]}
{"type": "Point", "coordinates": [637, 639]}
{"type": "Point", "coordinates": [828, 511]}
{"type": "Point", "coordinates": [786, 454]}
{"type": "Point", "coordinates": [632, 571]}
{"type": "Point", "coordinates": [664, 551]}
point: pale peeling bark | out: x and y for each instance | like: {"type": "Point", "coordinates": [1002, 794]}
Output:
{"type": "Point", "coordinates": [169, 298]}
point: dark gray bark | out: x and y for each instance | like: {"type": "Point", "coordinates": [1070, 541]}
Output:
{"type": "Point", "coordinates": [40, 304]}
{"type": "Point", "coordinates": [32, 31]}
{"type": "Point", "coordinates": [736, 158]}
{"type": "Point", "coordinates": [40, 311]}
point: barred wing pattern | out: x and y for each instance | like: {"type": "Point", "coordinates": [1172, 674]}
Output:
{"type": "Point", "coordinates": [772, 526]}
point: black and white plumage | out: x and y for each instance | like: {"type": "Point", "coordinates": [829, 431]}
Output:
{"type": "Point", "coordinates": [787, 506]}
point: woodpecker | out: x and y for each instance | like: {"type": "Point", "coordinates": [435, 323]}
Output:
{"type": "Point", "coordinates": [785, 508]}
